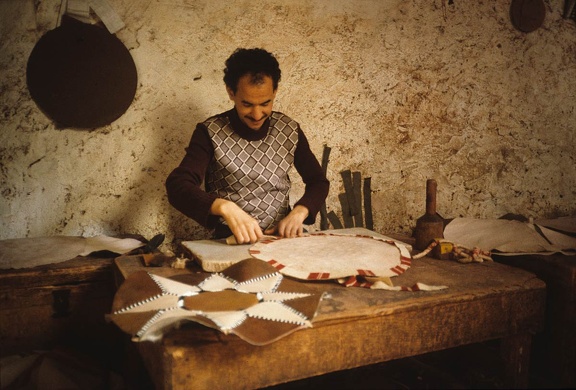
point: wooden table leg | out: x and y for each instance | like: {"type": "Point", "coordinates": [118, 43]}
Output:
{"type": "Point", "coordinates": [515, 352]}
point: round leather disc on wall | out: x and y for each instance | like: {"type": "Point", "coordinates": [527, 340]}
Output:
{"type": "Point", "coordinates": [527, 15]}
{"type": "Point", "coordinates": [81, 76]}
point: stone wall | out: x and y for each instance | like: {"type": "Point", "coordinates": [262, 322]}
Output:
{"type": "Point", "coordinates": [401, 91]}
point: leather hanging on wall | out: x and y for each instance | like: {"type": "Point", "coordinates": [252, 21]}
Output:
{"type": "Point", "coordinates": [527, 15]}
{"type": "Point", "coordinates": [81, 76]}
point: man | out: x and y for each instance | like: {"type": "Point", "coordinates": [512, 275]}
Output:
{"type": "Point", "coordinates": [243, 157]}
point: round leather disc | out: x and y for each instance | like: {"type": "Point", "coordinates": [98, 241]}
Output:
{"type": "Point", "coordinates": [527, 15]}
{"type": "Point", "coordinates": [81, 76]}
{"type": "Point", "coordinates": [332, 256]}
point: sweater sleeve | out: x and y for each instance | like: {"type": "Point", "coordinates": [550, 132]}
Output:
{"type": "Point", "coordinates": [183, 185]}
{"type": "Point", "coordinates": [315, 181]}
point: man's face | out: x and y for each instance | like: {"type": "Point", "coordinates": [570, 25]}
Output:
{"type": "Point", "coordinates": [253, 102]}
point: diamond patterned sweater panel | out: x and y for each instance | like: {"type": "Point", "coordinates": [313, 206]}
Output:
{"type": "Point", "coordinates": [253, 174]}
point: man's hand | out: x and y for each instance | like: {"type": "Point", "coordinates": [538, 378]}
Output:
{"type": "Point", "coordinates": [243, 226]}
{"type": "Point", "coordinates": [291, 225]}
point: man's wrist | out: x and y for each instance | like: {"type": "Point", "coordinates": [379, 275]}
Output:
{"type": "Point", "coordinates": [218, 206]}
{"type": "Point", "coordinates": [301, 211]}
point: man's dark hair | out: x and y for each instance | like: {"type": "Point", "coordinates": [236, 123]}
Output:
{"type": "Point", "coordinates": [255, 62]}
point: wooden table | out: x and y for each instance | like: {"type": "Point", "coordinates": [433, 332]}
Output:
{"type": "Point", "coordinates": [557, 343]}
{"type": "Point", "coordinates": [43, 306]}
{"type": "Point", "coordinates": [356, 327]}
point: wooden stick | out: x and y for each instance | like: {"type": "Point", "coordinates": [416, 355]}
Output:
{"type": "Point", "coordinates": [349, 192]}
{"type": "Point", "coordinates": [357, 192]}
{"type": "Point", "coordinates": [368, 203]}
{"type": "Point", "coordinates": [346, 216]}
{"type": "Point", "coordinates": [334, 220]}
{"type": "Point", "coordinates": [325, 158]}
{"type": "Point", "coordinates": [323, 211]}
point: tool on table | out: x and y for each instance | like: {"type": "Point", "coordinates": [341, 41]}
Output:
{"type": "Point", "coordinates": [232, 240]}
{"type": "Point", "coordinates": [430, 226]}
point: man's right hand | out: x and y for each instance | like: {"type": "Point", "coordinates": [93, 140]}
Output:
{"type": "Point", "coordinates": [244, 227]}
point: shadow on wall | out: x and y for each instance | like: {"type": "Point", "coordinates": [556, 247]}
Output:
{"type": "Point", "coordinates": [176, 128]}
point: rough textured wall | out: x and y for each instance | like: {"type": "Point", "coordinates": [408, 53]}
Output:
{"type": "Point", "coordinates": [400, 90]}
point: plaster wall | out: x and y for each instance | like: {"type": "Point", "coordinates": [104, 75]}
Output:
{"type": "Point", "coordinates": [401, 91]}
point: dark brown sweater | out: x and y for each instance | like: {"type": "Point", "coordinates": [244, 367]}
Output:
{"type": "Point", "coordinates": [184, 184]}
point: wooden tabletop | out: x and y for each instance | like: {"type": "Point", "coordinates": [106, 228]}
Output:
{"type": "Point", "coordinates": [356, 326]}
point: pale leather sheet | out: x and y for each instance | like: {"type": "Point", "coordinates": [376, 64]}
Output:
{"type": "Point", "coordinates": [508, 237]}
{"type": "Point", "coordinates": [216, 255]}
{"type": "Point", "coordinates": [332, 256]}
{"type": "Point", "coordinates": [561, 224]}
{"type": "Point", "coordinates": [354, 257]}
{"type": "Point", "coordinates": [32, 252]}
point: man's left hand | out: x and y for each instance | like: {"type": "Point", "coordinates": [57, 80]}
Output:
{"type": "Point", "coordinates": [291, 225]}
